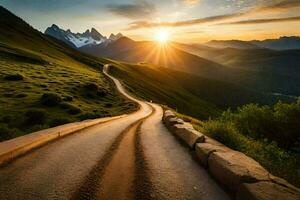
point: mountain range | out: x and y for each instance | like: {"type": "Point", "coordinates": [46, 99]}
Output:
{"type": "Point", "coordinates": [282, 43]}
{"type": "Point", "coordinates": [93, 37]}
{"type": "Point", "coordinates": [78, 40]}
{"type": "Point", "coordinates": [264, 65]}
{"type": "Point", "coordinates": [264, 69]}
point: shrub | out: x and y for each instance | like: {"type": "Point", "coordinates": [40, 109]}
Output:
{"type": "Point", "coordinates": [14, 77]}
{"type": "Point", "coordinates": [65, 105]}
{"type": "Point", "coordinates": [35, 116]}
{"type": "Point", "coordinates": [91, 87]}
{"type": "Point", "coordinates": [280, 123]}
{"type": "Point", "coordinates": [255, 121]}
{"type": "Point", "coordinates": [8, 94]}
{"type": "Point", "coordinates": [50, 99]}
{"type": "Point", "coordinates": [287, 117]}
{"type": "Point", "coordinates": [101, 93]}
{"type": "Point", "coordinates": [74, 110]}
{"type": "Point", "coordinates": [43, 86]}
{"type": "Point", "coordinates": [269, 135]}
{"type": "Point", "coordinates": [68, 98]}
{"type": "Point", "coordinates": [36, 127]}
{"type": "Point", "coordinates": [108, 105]}
{"type": "Point", "coordinates": [89, 116]}
{"type": "Point", "coordinates": [92, 90]}
{"type": "Point", "coordinates": [226, 133]}
{"type": "Point", "coordinates": [58, 121]}
{"type": "Point", "coordinates": [22, 95]}
{"type": "Point", "coordinates": [4, 132]}
{"type": "Point", "coordinates": [6, 119]}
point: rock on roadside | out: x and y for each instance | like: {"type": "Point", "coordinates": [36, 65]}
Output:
{"type": "Point", "coordinates": [183, 130]}
{"type": "Point", "coordinates": [242, 175]}
{"type": "Point", "coordinates": [265, 190]}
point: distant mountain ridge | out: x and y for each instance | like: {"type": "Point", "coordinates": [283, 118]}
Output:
{"type": "Point", "coordinates": [282, 43]}
{"type": "Point", "coordinates": [237, 44]}
{"type": "Point", "coordinates": [264, 69]}
{"type": "Point", "coordinates": [240, 62]}
{"type": "Point", "coordinates": [77, 40]}
{"type": "Point", "coordinates": [94, 38]}
{"type": "Point", "coordinates": [128, 50]}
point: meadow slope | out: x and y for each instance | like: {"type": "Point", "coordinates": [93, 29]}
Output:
{"type": "Point", "coordinates": [45, 83]}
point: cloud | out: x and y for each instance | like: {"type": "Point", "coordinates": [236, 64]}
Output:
{"type": "Point", "coordinates": [283, 5]}
{"type": "Point", "coordinates": [147, 24]}
{"type": "Point", "coordinates": [263, 21]}
{"type": "Point", "coordinates": [191, 2]}
{"type": "Point", "coordinates": [135, 10]}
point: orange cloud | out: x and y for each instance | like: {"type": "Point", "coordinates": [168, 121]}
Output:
{"type": "Point", "coordinates": [282, 6]}
{"type": "Point", "coordinates": [263, 21]}
{"type": "Point", "coordinates": [147, 24]}
{"type": "Point", "coordinates": [191, 1]}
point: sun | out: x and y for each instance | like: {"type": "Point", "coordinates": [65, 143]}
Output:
{"type": "Point", "coordinates": [162, 36]}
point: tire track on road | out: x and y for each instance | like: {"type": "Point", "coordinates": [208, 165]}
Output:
{"type": "Point", "coordinates": [114, 176]}
{"type": "Point", "coordinates": [142, 184]}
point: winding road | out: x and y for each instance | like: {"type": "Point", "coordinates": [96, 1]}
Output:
{"type": "Point", "coordinates": [132, 157]}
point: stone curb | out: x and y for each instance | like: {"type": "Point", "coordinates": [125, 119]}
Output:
{"type": "Point", "coordinates": [13, 148]}
{"type": "Point", "coordinates": [182, 130]}
{"type": "Point", "coordinates": [242, 175]}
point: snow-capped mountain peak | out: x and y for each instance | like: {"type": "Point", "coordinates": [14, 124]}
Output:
{"type": "Point", "coordinates": [115, 37]}
{"type": "Point", "coordinates": [77, 40]}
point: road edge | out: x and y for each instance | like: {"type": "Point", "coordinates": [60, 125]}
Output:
{"type": "Point", "coordinates": [12, 149]}
{"type": "Point", "coordinates": [244, 177]}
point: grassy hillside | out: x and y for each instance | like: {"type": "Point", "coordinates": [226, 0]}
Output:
{"type": "Point", "coordinates": [153, 84]}
{"type": "Point", "coordinates": [193, 95]}
{"type": "Point", "coordinates": [44, 83]}
{"type": "Point", "coordinates": [221, 93]}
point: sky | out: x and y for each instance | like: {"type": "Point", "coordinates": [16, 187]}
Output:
{"type": "Point", "coordinates": [189, 21]}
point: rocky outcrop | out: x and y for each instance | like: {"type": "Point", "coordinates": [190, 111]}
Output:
{"type": "Point", "coordinates": [242, 175]}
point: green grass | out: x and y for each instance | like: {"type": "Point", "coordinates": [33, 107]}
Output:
{"type": "Point", "coordinates": [153, 84]}
{"type": "Point", "coordinates": [67, 81]}
{"type": "Point", "coordinates": [32, 65]}
{"type": "Point", "coordinates": [248, 130]}
{"type": "Point", "coordinates": [192, 95]}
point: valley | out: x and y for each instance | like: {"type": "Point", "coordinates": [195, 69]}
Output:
{"type": "Point", "coordinates": [98, 115]}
